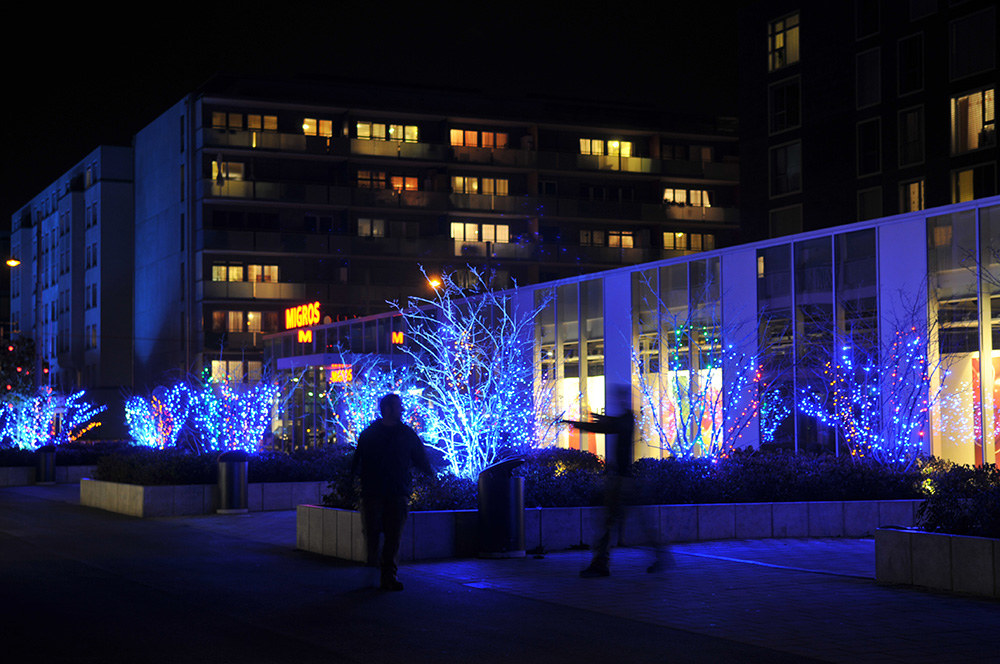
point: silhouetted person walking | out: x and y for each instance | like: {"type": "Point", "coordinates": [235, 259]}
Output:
{"type": "Point", "coordinates": [387, 450]}
{"type": "Point", "coordinates": [619, 427]}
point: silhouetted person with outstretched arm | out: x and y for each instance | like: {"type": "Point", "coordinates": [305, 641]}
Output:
{"type": "Point", "coordinates": [387, 450]}
{"type": "Point", "coordinates": [619, 427]}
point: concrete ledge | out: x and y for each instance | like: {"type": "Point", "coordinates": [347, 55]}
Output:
{"type": "Point", "coordinates": [936, 560]}
{"type": "Point", "coordinates": [25, 475]}
{"type": "Point", "coordinates": [429, 535]}
{"type": "Point", "coordinates": [191, 499]}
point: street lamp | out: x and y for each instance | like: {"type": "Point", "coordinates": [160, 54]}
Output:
{"type": "Point", "coordinates": [13, 262]}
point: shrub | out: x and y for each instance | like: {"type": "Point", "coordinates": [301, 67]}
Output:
{"type": "Point", "coordinates": [961, 500]}
{"type": "Point", "coordinates": [555, 477]}
{"type": "Point", "coordinates": [150, 467]}
{"type": "Point", "coordinates": [15, 456]}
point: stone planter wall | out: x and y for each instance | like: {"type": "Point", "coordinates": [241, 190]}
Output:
{"type": "Point", "coordinates": [184, 500]}
{"type": "Point", "coordinates": [935, 560]}
{"type": "Point", "coordinates": [24, 475]}
{"type": "Point", "coordinates": [452, 534]}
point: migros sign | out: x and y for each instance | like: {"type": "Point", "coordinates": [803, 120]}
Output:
{"type": "Point", "coordinates": [302, 315]}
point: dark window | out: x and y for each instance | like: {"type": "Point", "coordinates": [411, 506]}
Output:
{"type": "Point", "coordinates": [866, 17]}
{"type": "Point", "coordinates": [972, 43]}
{"type": "Point", "coordinates": [786, 169]}
{"type": "Point", "coordinates": [784, 102]}
{"type": "Point", "coordinates": [869, 152]}
{"type": "Point", "coordinates": [869, 78]}
{"type": "Point", "coordinates": [911, 64]}
{"type": "Point", "coordinates": [911, 136]}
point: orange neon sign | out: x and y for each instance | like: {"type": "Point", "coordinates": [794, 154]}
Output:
{"type": "Point", "coordinates": [397, 337]}
{"type": "Point", "coordinates": [305, 336]}
{"type": "Point", "coordinates": [302, 315]}
{"type": "Point", "coordinates": [340, 373]}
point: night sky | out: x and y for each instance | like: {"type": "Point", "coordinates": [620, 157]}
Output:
{"type": "Point", "coordinates": [83, 80]}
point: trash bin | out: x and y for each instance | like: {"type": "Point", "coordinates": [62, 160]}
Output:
{"type": "Point", "coordinates": [233, 482]}
{"type": "Point", "coordinates": [45, 473]}
{"type": "Point", "coordinates": [501, 511]}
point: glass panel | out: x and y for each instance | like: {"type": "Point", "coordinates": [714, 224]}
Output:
{"type": "Point", "coordinates": [953, 309]}
{"type": "Point", "coordinates": [814, 328]}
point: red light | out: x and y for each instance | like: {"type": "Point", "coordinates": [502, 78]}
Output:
{"type": "Point", "coordinates": [8, 387]}
{"type": "Point", "coordinates": [10, 348]}
{"type": "Point", "coordinates": [19, 369]}
{"type": "Point", "coordinates": [45, 370]}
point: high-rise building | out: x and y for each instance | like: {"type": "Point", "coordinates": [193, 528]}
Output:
{"type": "Point", "coordinates": [248, 198]}
{"type": "Point", "coordinates": [853, 111]}
{"type": "Point", "coordinates": [72, 290]}
{"type": "Point", "coordinates": [254, 197]}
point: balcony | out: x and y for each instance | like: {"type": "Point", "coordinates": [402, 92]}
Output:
{"type": "Point", "coordinates": [249, 290]}
{"type": "Point", "coordinates": [315, 194]}
{"type": "Point", "coordinates": [390, 198]}
{"type": "Point", "coordinates": [698, 214]}
{"type": "Point", "coordinates": [489, 203]}
{"type": "Point", "coordinates": [397, 150]}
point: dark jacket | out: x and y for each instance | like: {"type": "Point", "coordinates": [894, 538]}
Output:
{"type": "Point", "coordinates": [385, 454]}
{"type": "Point", "coordinates": [620, 430]}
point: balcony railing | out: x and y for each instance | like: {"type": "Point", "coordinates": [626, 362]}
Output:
{"type": "Point", "coordinates": [507, 157]}
{"type": "Point", "coordinates": [317, 194]}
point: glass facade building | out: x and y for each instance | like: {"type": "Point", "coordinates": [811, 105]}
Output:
{"type": "Point", "coordinates": [879, 333]}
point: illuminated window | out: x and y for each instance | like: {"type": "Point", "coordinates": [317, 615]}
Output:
{"type": "Point", "coordinates": [468, 232]}
{"type": "Point", "coordinates": [254, 319]}
{"type": "Point", "coordinates": [694, 197]}
{"type": "Point", "coordinates": [495, 186]}
{"type": "Point", "coordinates": [371, 179]}
{"type": "Point", "coordinates": [223, 272]}
{"type": "Point", "coordinates": [976, 182]}
{"type": "Point", "coordinates": [227, 170]}
{"type": "Point", "coordinates": [972, 121]}
{"type": "Point", "coordinates": [267, 274]}
{"type": "Point", "coordinates": [620, 239]}
{"type": "Point", "coordinates": [234, 321]}
{"type": "Point", "coordinates": [495, 233]}
{"type": "Point", "coordinates": [464, 185]}
{"type": "Point", "coordinates": [592, 146]}
{"type": "Point", "coordinates": [470, 138]}
{"type": "Point", "coordinates": [620, 148]}
{"type": "Point", "coordinates": [371, 227]}
{"type": "Point", "coordinates": [911, 196]}
{"type": "Point", "coordinates": [218, 120]}
{"type": "Point", "coordinates": [689, 241]}
{"type": "Point", "coordinates": [402, 183]}
{"type": "Point", "coordinates": [265, 123]}
{"type": "Point", "coordinates": [314, 127]}
{"type": "Point", "coordinates": [614, 148]}
{"type": "Point", "coordinates": [218, 321]}
{"type": "Point", "coordinates": [783, 42]}
{"type": "Point", "coordinates": [375, 131]}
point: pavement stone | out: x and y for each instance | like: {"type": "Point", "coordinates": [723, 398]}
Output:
{"type": "Point", "coordinates": [770, 600]}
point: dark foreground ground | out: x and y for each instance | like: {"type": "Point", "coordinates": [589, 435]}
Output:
{"type": "Point", "coordinates": [83, 585]}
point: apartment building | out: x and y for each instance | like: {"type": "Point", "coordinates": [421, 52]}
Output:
{"type": "Point", "coordinates": [858, 110]}
{"type": "Point", "coordinates": [253, 197]}
{"type": "Point", "coordinates": [71, 291]}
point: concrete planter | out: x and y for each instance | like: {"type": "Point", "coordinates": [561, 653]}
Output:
{"type": "Point", "coordinates": [184, 500]}
{"type": "Point", "coordinates": [25, 475]}
{"type": "Point", "coordinates": [936, 560]}
{"type": "Point", "coordinates": [337, 533]}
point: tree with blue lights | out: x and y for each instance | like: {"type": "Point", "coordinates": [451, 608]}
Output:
{"type": "Point", "coordinates": [232, 415]}
{"type": "Point", "coordinates": [159, 420]}
{"type": "Point", "coordinates": [472, 355]}
{"type": "Point", "coordinates": [353, 401]}
{"type": "Point", "coordinates": [879, 395]}
{"type": "Point", "coordinates": [698, 386]}
{"type": "Point", "coordinates": [47, 418]}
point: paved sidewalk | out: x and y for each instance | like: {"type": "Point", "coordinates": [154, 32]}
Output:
{"type": "Point", "coordinates": [794, 600]}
